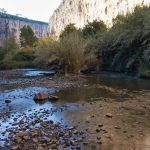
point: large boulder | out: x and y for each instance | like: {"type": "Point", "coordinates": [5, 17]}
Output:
{"type": "Point", "coordinates": [45, 96]}
{"type": "Point", "coordinates": [41, 96]}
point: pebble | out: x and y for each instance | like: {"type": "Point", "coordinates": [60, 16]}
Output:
{"type": "Point", "coordinates": [7, 101]}
{"type": "Point", "coordinates": [109, 115]}
{"type": "Point", "coordinates": [98, 130]}
{"type": "Point", "coordinates": [116, 127]}
{"type": "Point", "coordinates": [100, 125]}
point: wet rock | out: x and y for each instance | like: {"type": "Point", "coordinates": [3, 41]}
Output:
{"type": "Point", "coordinates": [15, 119]}
{"type": "Point", "coordinates": [21, 122]}
{"type": "Point", "coordinates": [7, 101]}
{"type": "Point", "coordinates": [73, 143]}
{"type": "Point", "coordinates": [41, 96]}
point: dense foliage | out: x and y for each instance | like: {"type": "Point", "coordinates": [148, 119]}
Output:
{"type": "Point", "coordinates": [126, 46]}
{"type": "Point", "coordinates": [93, 29]}
{"type": "Point", "coordinates": [70, 28]}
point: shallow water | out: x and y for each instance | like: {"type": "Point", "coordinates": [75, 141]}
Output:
{"type": "Point", "coordinates": [105, 86]}
{"type": "Point", "coordinates": [98, 87]}
{"type": "Point", "coordinates": [34, 73]}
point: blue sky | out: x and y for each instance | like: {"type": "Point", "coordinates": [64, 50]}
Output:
{"type": "Point", "coordinates": [33, 9]}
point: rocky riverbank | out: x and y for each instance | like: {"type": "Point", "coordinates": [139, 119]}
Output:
{"type": "Point", "coordinates": [35, 130]}
{"type": "Point", "coordinates": [105, 117]}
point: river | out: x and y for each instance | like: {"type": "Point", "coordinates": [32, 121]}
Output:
{"type": "Point", "coordinates": [126, 98]}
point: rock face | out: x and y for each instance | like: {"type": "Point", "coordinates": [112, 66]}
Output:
{"type": "Point", "coordinates": [80, 12]}
{"type": "Point", "coordinates": [10, 25]}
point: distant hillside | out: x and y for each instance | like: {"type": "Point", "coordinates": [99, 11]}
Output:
{"type": "Point", "coordinates": [10, 25]}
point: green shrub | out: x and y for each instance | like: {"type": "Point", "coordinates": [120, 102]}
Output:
{"type": "Point", "coordinates": [70, 28]}
{"type": "Point", "coordinates": [27, 37]}
{"type": "Point", "coordinates": [24, 56]}
{"type": "Point", "coordinates": [2, 54]}
{"type": "Point", "coordinates": [93, 29]}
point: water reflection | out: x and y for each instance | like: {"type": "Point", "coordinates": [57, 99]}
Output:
{"type": "Point", "coordinates": [120, 81]}
{"type": "Point", "coordinates": [21, 99]}
{"type": "Point", "coordinates": [34, 73]}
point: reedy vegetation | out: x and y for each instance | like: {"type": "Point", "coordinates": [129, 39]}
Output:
{"type": "Point", "coordinates": [125, 47]}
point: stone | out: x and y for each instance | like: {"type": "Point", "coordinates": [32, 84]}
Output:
{"type": "Point", "coordinates": [20, 134]}
{"type": "Point", "coordinates": [71, 128]}
{"type": "Point", "coordinates": [35, 140]}
{"type": "Point", "coordinates": [14, 148]}
{"type": "Point", "coordinates": [98, 130]}
{"type": "Point", "coordinates": [109, 115]}
{"type": "Point", "coordinates": [117, 127]}
{"type": "Point", "coordinates": [7, 101]}
{"type": "Point", "coordinates": [41, 96]}
{"type": "Point", "coordinates": [21, 122]}
{"type": "Point", "coordinates": [100, 125]}
{"type": "Point", "coordinates": [26, 137]}
{"type": "Point", "coordinates": [85, 143]}
{"type": "Point", "coordinates": [53, 98]}
{"type": "Point", "coordinates": [99, 142]}
{"type": "Point", "coordinates": [53, 146]}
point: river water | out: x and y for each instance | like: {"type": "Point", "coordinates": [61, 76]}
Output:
{"type": "Point", "coordinates": [105, 87]}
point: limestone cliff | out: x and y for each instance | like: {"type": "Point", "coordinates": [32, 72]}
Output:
{"type": "Point", "coordinates": [10, 25]}
{"type": "Point", "coordinates": [80, 12]}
